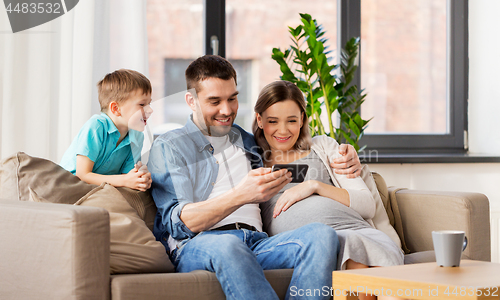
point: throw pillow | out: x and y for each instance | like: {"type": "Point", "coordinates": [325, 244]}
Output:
{"type": "Point", "coordinates": [384, 195]}
{"type": "Point", "coordinates": [381, 220]}
{"type": "Point", "coordinates": [391, 207]}
{"type": "Point", "coordinates": [142, 202]}
{"type": "Point", "coordinates": [21, 172]}
{"type": "Point", "coordinates": [133, 247]}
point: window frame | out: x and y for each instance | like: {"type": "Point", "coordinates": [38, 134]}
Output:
{"type": "Point", "coordinates": [214, 25]}
{"type": "Point", "coordinates": [457, 91]}
{"type": "Point", "coordinates": [349, 18]}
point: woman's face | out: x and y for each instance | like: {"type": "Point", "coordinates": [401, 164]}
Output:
{"type": "Point", "coordinates": [281, 124]}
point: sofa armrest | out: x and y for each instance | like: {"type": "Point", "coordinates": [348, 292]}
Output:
{"type": "Point", "coordinates": [424, 211]}
{"type": "Point", "coordinates": [53, 251]}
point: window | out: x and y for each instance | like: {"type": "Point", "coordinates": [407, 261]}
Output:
{"type": "Point", "coordinates": [253, 28]}
{"type": "Point", "coordinates": [245, 32]}
{"type": "Point", "coordinates": [175, 31]}
{"type": "Point", "coordinates": [414, 68]}
{"type": "Point", "coordinates": [413, 59]}
{"type": "Point", "coordinates": [176, 111]}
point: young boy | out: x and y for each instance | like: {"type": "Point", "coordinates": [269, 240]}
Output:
{"type": "Point", "coordinates": [109, 144]}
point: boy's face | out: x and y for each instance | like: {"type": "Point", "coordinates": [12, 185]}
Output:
{"type": "Point", "coordinates": [136, 110]}
{"type": "Point", "coordinates": [216, 105]}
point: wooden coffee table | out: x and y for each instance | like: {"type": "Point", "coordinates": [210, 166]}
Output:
{"type": "Point", "coordinates": [472, 280]}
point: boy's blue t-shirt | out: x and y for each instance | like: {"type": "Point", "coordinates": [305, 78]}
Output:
{"type": "Point", "coordinates": [97, 140]}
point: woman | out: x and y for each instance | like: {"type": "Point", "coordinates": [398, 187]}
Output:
{"type": "Point", "coordinates": [281, 130]}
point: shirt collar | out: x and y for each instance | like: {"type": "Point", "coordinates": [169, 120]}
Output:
{"type": "Point", "coordinates": [133, 137]}
{"type": "Point", "coordinates": [111, 126]}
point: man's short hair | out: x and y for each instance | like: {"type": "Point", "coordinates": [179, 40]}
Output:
{"type": "Point", "coordinates": [118, 85]}
{"type": "Point", "coordinates": [208, 66]}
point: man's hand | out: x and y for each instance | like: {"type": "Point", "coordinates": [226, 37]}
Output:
{"type": "Point", "coordinates": [257, 186]}
{"type": "Point", "coordinates": [261, 184]}
{"type": "Point", "coordinates": [348, 164]}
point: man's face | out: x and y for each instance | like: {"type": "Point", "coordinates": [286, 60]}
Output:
{"type": "Point", "coordinates": [216, 105]}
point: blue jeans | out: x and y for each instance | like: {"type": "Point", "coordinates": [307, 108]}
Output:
{"type": "Point", "coordinates": [238, 258]}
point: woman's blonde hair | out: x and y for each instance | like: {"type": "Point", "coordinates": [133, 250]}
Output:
{"type": "Point", "coordinates": [271, 94]}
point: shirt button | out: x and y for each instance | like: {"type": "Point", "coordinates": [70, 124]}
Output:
{"type": "Point", "coordinates": [213, 183]}
{"type": "Point", "coordinates": [217, 162]}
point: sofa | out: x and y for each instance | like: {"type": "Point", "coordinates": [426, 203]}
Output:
{"type": "Point", "coordinates": [61, 251]}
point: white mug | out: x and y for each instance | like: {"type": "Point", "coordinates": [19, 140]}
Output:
{"type": "Point", "coordinates": [448, 247]}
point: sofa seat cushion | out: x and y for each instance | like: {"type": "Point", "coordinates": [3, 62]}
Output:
{"type": "Point", "coordinates": [184, 286]}
{"type": "Point", "coordinates": [420, 257]}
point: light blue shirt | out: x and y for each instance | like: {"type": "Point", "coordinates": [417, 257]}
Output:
{"type": "Point", "coordinates": [97, 140]}
{"type": "Point", "coordinates": [184, 171]}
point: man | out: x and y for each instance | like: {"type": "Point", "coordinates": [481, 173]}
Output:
{"type": "Point", "coordinates": [208, 182]}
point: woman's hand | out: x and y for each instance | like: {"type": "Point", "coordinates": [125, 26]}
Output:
{"type": "Point", "coordinates": [295, 194]}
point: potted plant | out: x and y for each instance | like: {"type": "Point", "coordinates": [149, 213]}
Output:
{"type": "Point", "coordinates": [327, 87]}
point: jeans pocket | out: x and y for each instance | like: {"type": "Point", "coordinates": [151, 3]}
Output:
{"type": "Point", "coordinates": [176, 253]}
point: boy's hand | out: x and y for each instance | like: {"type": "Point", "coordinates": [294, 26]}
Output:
{"type": "Point", "coordinates": [136, 180]}
{"type": "Point", "coordinates": [139, 167]}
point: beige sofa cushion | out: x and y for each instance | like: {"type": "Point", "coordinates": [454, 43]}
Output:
{"type": "Point", "coordinates": [391, 207]}
{"type": "Point", "coordinates": [143, 204]}
{"type": "Point", "coordinates": [380, 220]}
{"type": "Point", "coordinates": [185, 286]}
{"type": "Point", "coordinates": [133, 247]}
{"type": "Point", "coordinates": [50, 181]}
{"type": "Point", "coordinates": [22, 173]}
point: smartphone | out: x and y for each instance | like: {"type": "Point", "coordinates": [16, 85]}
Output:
{"type": "Point", "coordinates": [298, 171]}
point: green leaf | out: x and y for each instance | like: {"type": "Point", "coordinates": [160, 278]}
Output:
{"type": "Point", "coordinates": [308, 63]}
{"type": "Point", "coordinates": [348, 138]}
{"type": "Point", "coordinates": [302, 85]}
{"type": "Point", "coordinates": [317, 93]}
{"type": "Point", "coordinates": [357, 119]}
{"type": "Point", "coordinates": [307, 17]}
{"type": "Point", "coordinates": [354, 127]}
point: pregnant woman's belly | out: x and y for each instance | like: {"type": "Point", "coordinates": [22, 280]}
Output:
{"type": "Point", "coordinates": [312, 209]}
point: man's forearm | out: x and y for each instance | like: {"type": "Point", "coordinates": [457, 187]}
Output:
{"type": "Point", "coordinates": [203, 215]}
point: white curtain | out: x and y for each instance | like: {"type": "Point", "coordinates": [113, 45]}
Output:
{"type": "Point", "coordinates": [48, 74]}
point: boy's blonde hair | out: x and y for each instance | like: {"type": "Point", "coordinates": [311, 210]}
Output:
{"type": "Point", "coordinates": [117, 86]}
